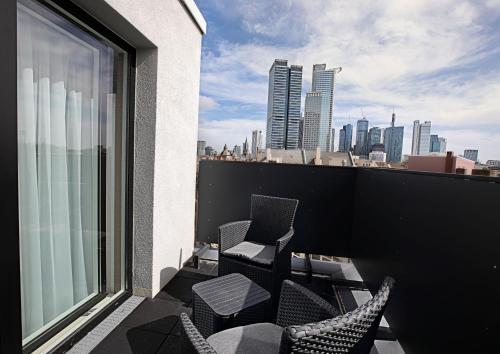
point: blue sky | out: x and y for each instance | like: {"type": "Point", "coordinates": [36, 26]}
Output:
{"type": "Point", "coordinates": [429, 60]}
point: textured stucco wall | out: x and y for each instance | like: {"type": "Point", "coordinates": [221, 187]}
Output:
{"type": "Point", "coordinates": [167, 35]}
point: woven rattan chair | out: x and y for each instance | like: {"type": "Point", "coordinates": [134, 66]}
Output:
{"type": "Point", "coordinates": [353, 332]}
{"type": "Point", "coordinates": [259, 248]}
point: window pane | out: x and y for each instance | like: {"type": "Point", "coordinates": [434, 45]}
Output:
{"type": "Point", "coordinates": [71, 112]}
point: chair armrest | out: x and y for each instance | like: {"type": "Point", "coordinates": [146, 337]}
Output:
{"type": "Point", "coordinates": [192, 340]}
{"type": "Point", "coordinates": [299, 305]}
{"type": "Point", "coordinates": [283, 241]}
{"type": "Point", "coordinates": [232, 233]}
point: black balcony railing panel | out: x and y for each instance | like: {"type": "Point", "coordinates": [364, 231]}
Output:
{"type": "Point", "coordinates": [324, 215]}
{"type": "Point", "coordinates": [438, 236]}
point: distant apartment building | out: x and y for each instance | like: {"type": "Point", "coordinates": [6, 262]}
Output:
{"type": "Point", "coordinates": [361, 147]}
{"type": "Point", "coordinates": [378, 147]}
{"type": "Point", "coordinates": [438, 144]}
{"type": "Point", "coordinates": [374, 137]}
{"type": "Point", "coordinates": [318, 115]}
{"type": "Point", "coordinates": [209, 151]}
{"type": "Point", "coordinates": [345, 138]}
{"type": "Point", "coordinates": [421, 141]}
{"type": "Point", "coordinates": [493, 163]}
{"type": "Point", "coordinates": [440, 163]}
{"type": "Point", "coordinates": [333, 140]}
{"type": "Point", "coordinates": [471, 154]}
{"type": "Point", "coordinates": [301, 131]}
{"type": "Point", "coordinates": [256, 141]}
{"type": "Point", "coordinates": [312, 121]}
{"type": "Point", "coordinates": [393, 141]}
{"type": "Point", "coordinates": [246, 150]}
{"type": "Point", "coordinates": [201, 144]}
{"type": "Point", "coordinates": [378, 156]}
{"type": "Point", "coordinates": [283, 105]}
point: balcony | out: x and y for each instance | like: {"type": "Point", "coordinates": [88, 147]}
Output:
{"type": "Point", "coordinates": [434, 233]}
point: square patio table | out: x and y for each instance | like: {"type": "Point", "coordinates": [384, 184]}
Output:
{"type": "Point", "coordinates": [229, 301]}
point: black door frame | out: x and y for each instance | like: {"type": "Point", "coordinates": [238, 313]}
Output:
{"type": "Point", "coordinates": [10, 295]}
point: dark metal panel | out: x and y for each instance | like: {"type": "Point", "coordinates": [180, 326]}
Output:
{"type": "Point", "coordinates": [437, 235]}
{"type": "Point", "coordinates": [325, 194]}
{"type": "Point", "coordinates": [10, 294]}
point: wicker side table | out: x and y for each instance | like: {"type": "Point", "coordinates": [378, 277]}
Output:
{"type": "Point", "coordinates": [229, 301]}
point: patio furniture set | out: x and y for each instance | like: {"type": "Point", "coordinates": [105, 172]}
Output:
{"type": "Point", "coordinates": [252, 307]}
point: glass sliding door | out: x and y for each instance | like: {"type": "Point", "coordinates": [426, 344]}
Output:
{"type": "Point", "coordinates": [72, 111]}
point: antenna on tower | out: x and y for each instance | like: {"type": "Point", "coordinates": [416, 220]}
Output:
{"type": "Point", "coordinates": [362, 114]}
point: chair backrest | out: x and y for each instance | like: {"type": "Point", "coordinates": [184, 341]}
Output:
{"type": "Point", "coordinates": [353, 332]}
{"type": "Point", "coordinates": [272, 218]}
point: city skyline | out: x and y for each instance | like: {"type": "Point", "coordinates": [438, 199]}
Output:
{"type": "Point", "coordinates": [440, 65]}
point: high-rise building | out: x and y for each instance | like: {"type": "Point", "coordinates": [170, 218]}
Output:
{"type": "Point", "coordinates": [256, 142]}
{"type": "Point", "coordinates": [283, 105]}
{"type": "Point", "coordinates": [342, 140]}
{"type": "Point", "coordinates": [333, 139]}
{"type": "Point", "coordinates": [312, 121]}
{"type": "Point", "coordinates": [415, 137]}
{"type": "Point", "coordinates": [237, 150]}
{"type": "Point", "coordinates": [201, 144]}
{"type": "Point", "coordinates": [471, 154]}
{"type": "Point", "coordinates": [361, 148]}
{"type": "Point", "coordinates": [323, 83]}
{"type": "Point", "coordinates": [374, 137]}
{"type": "Point", "coordinates": [393, 141]}
{"type": "Point", "coordinates": [301, 131]}
{"type": "Point", "coordinates": [421, 141]}
{"type": "Point", "coordinates": [345, 138]}
{"type": "Point", "coordinates": [245, 147]}
{"type": "Point", "coordinates": [209, 151]}
{"type": "Point", "coordinates": [438, 144]}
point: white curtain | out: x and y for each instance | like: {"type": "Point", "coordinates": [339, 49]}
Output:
{"type": "Point", "coordinates": [58, 168]}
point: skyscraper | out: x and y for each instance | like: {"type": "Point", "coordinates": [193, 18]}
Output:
{"type": "Point", "coordinates": [283, 105]}
{"type": "Point", "coordinates": [421, 141]}
{"type": "Point", "coordinates": [393, 141]}
{"type": "Point", "coordinates": [237, 150]}
{"type": "Point", "coordinates": [200, 147]}
{"type": "Point", "coordinates": [471, 154]}
{"type": "Point", "coordinates": [256, 142]}
{"type": "Point", "coordinates": [374, 137]}
{"type": "Point", "coordinates": [301, 131]}
{"type": "Point", "coordinates": [333, 140]}
{"type": "Point", "coordinates": [361, 148]}
{"type": "Point", "coordinates": [323, 83]}
{"type": "Point", "coordinates": [245, 147]}
{"type": "Point", "coordinates": [438, 144]}
{"type": "Point", "coordinates": [209, 151]}
{"type": "Point", "coordinates": [415, 137]}
{"type": "Point", "coordinates": [312, 121]}
{"type": "Point", "coordinates": [342, 140]}
{"type": "Point", "coordinates": [345, 138]}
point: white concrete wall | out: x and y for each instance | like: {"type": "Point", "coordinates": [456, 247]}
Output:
{"type": "Point", "coordinates": [167, 35]}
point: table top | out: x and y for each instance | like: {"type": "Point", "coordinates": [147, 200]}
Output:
{"type": "Point", "coordinates": [230, 293]}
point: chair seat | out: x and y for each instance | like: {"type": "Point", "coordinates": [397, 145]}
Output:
{"type": "Point", "coordinates": [259, 338]}
{"type": "Point", "coordinates": [253, 251]}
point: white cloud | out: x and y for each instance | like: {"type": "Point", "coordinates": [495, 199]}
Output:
{"type": "Point", "coordinates": [229, 131]}
{"type": "Point", "coordinates": [207, 103]}
{"type": "Point", "coordinates": [394, 54]}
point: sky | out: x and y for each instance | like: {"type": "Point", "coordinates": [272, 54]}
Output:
{"type": "Point", "coordinates": [424, 59]}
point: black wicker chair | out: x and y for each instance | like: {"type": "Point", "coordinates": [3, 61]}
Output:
{"type": "Point", "coordinates": [353, 332]}
{"type": "Point", "coordinates": [259, 248]}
